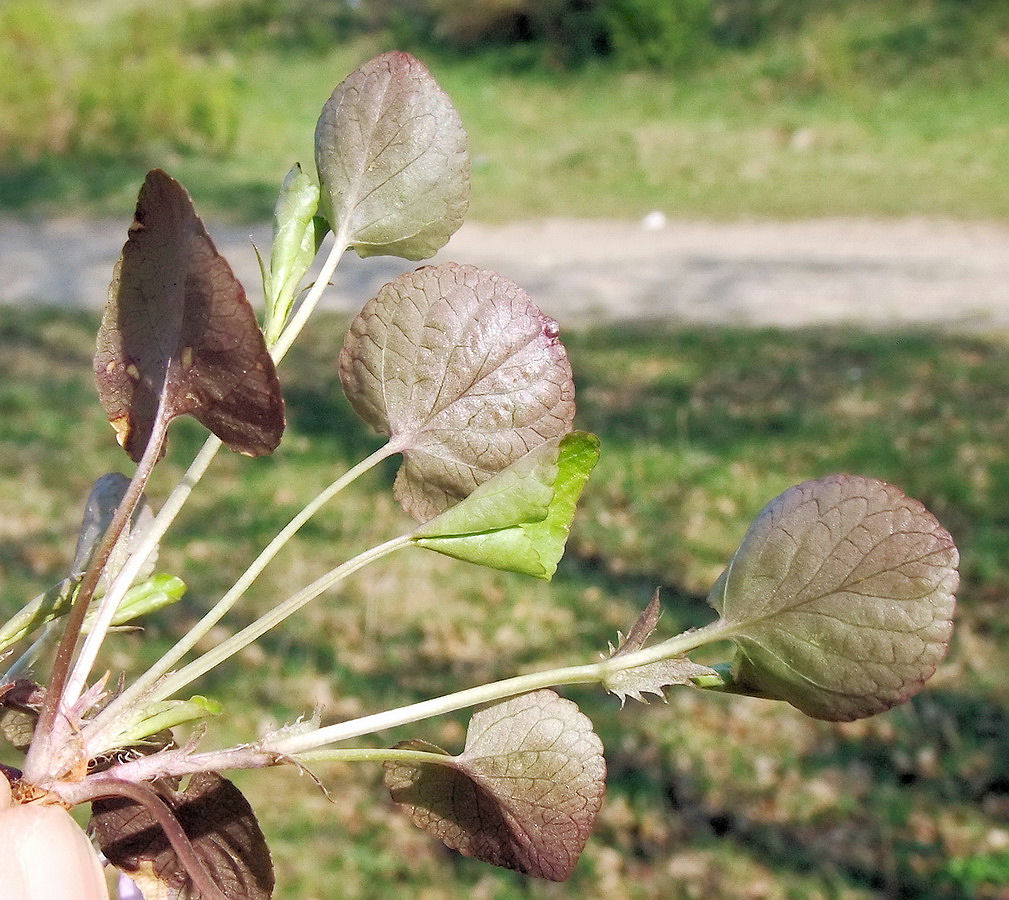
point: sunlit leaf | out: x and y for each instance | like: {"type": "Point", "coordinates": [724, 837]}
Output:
{"type": "Point", "coordinates": [179, 332]}
{"type": "Point", "coordinates": [463, 372]}
{"type": "Point", "coordinates": [297, 233]}
{"type": "Point", "coordinates": [518, 520]}
{"type": "Point", "coordinates": [648, 678]}
{"type": "Point", "coordinates": [525, 792]}
{"type": "Point", "coordinates": [216, 818]}
{"type": "Point", "coordinates": [391, 153]}
{"type": "Point", "coordinates": [149, 596]}
{"type": "Point", "coordinates": [840, 598]}
{"type": "Point", "coordinates": [166, 714]}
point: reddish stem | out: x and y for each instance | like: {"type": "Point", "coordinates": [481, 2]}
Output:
{"type": "Point", "coordinates": [89, 582]}
{"type": "Point", "coordinates": [177, 837]}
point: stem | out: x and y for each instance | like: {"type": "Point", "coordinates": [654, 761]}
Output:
{"type": "Point", "coordinates": [177, 837]}
{"type": "Point", "coordinates": [298, 320]}
{"type": "Point", "coordinates": [499, 690]}
{"type": "Point", "coordinates": [121, 705]}
{"type": "Point", "coordinates": [380, 754]}
{"type": "Point", "coordinates": [172, 683]}
{"type": "Point", "coordinates": [64, 684]}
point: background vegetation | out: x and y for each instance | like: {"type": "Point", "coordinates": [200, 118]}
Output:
{"type": "Point", "coordinates": [714, 109]}
{"type": "Point", "coordinates": [708, 796]}
{"type": "Point", "coordinates": [711, 108]}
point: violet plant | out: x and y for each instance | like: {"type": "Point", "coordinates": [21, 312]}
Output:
{"type": "Point", "coordinates": [839, 599]}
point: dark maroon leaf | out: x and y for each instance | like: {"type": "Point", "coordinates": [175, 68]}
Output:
{"type": "Point", "coordinates": [525, 792]}
{"type": "Point", "coordinates": [178, 326]}
{"type": "Point", "coordinates": [218, 821]}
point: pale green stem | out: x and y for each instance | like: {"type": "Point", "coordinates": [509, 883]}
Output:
{"type": "Point", "coordinates": [297, 744]}
{"type": "Point", "coordinates": [198, 468]}
{"type": "Point", "coordinates": [311, 300]}
{"type": "Point", "coordinates": [380, 754]}
{"type": "Point", "coordinates": [177, 680]}
{"type": "Point", "coordinates": [120, 706]}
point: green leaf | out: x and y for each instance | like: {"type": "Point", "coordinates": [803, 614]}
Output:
{"type": "Point", "coordinates": [518, 520]}
{"type": "Point", "coordinates": [391, 153]}
{"type": "Point", "coordinates": [463, 372]}
{"type": "Point", "coordinates": [297, 234]}
{"type": "Point", "coordinates": [525, 792]}
{"type": "Point", "coordinates": [840, 598]}
{"type": "Point", "coordinates": [149, 596]}
{"type": "Point", "coordinates": [166, 714]}
{"type": "Point", "coordinates": [179, 337]}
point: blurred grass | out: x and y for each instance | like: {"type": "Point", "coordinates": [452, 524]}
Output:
{"type": "Point", "coordinates": [708, 796]}
{"type": "Point", "coordinates": [864, 109]}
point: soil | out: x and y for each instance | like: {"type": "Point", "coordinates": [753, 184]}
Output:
{"type": "Point", "coordinates": [877, 274]}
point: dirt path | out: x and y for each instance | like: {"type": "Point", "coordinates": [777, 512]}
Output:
{"type": "Point", "coordinates": [878, 274]}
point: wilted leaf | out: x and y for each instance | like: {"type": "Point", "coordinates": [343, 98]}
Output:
{"type": "Point", "coordinates": [525, 792]}
{"type": "Point", "coordinates": [519, 520]}
{"type": "Point", "coordinates": [463, 372]}
{"type": "Point", "coordinates": [649, 678]}
{"type": "Point", "coordinates": [391, 153]}
{"type": "Point", "coordinates": [99, 510]}
{"type": "Point", "coordinates": [216, 818]}
{"type": "Point", "coordinates": [20, 703]}
{"type": "Point", "coordinates": [840, 598]}
{"type": "Point", "coordinates": [178, 327]}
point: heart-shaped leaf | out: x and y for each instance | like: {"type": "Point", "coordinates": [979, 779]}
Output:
{"type": "Point", "coordinates": [840, 598]}
{"type": "Point", "coordinates": [217, 820]}
{"type": "Point", "coordinates": [525, 792]}
{"type": "Point", "coordinates": [178, 334]}
{"type": "Point", "coordinates": [391, 153]}
{"type": "Point", "coordinates": [463, 372]}
{"type": "Point", "coordinates": [519, 520]}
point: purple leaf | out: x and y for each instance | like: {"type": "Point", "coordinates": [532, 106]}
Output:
{"type": "Point", "coordinates": [178, 331]}
{"type": "Point", "coordinates": [218, 821]}
{"type": "Point", "coordinates": [391, 153]}
{"type": "Point", "coordinates": [840, 598]}
{"type": "Point", "coordinates": [463, 372]}
{"type": "Point", "coordinates": [525, 792]}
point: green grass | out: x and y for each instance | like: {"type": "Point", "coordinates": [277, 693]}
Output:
{"type": "Point", "coordinates": [707, 796]}
{"type": "Point", "coordinates": [856, 113]}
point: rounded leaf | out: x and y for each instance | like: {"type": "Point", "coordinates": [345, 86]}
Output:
{"type": "Point", "coordinates": [463, 372]}
{"type": "Point", "coordinates": [840, 598]}
{"type": "Point", "coordinates": [524, 794]}
{"type": "Point", "coordinates": [391, 153]}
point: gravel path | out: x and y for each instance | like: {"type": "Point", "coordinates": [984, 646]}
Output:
{"type": "Point", "coordinates": [873, 273]}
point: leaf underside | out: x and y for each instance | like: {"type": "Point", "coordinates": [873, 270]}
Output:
{"type": "Point", "coordinates": [518, 520]}
{"type": "Point", "coordinates": [525, 792]}
{"type": "Point", "coordinates": [840, 598]}
{"type": "Point", "coordinates": [392, 160]}
{"type": "Point", "coordinates": [218, 821]}
{"type": "Point", "coordinates": [178, 331]}
{"type": "Point", "coordinates": [463, 372]}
